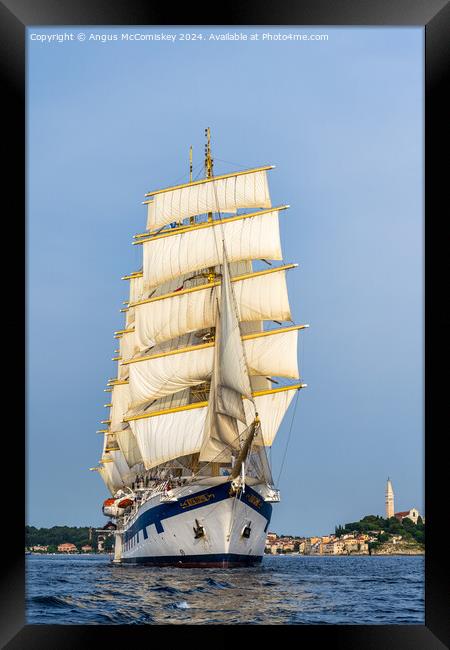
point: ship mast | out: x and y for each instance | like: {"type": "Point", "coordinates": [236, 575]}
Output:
{"type": "Point", "coordinates": [215, 467]}
{"type": "Point", "coordinates": [209, 174]}
{"type": "Point", "coordinates": [241, 458]}
{"type": "Point", "coordinates": [191, 219]}
{"type": "Point", "coordinates": [208, 161]}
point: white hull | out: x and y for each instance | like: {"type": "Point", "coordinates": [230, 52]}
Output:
{"type": "Point", "coordinates": [163, 532]}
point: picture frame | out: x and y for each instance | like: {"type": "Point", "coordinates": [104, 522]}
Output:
{"type": "Point", "coordinates": [434, 16]}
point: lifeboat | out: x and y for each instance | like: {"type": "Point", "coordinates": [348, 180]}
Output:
{"type": "Point", "coordinates": [125, 503]}
{"type": "Point", "coordinates": [116, 507]}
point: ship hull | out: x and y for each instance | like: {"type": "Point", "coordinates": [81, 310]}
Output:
{"type": "Point", "coordinates": [234, 528]}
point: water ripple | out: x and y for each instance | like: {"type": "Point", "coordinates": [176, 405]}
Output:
{"type": "Point", "coordinates": [298, 590]}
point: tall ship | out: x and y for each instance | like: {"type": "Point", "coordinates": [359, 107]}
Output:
{"type": "Point", "coordinates": [207, 368]}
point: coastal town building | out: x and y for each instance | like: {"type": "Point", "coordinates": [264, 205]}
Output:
{"type": "Point", "coordinates": [325, 545]}
{"type": "Point", "coordinates": [412, 514]}
{"type": "Point", "coordinates": [333, 547]}
{"type": "Point", "coordinates": [67, 547]}
{"type": "Point", "coordinates": [38, 548]}
{"type": "Point", "coordinates": [86, 548]}
{"type": "Point", "coordinates": [280, 545]}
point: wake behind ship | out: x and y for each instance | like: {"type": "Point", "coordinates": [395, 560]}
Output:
{"type": "Point", "coordinates": [201, 386]}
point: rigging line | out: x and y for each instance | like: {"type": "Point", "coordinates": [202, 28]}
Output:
{"type": "Point", "coordinates": [225, 261]}
{"type": "Point", "coordinates": [237, 438]}
{"type": "Point", "coordinates": [183, 176]}
{"type": "Point", "coordinates": [289, 437]}
{"type": "Point", "coordinates": [180, 492]}
{"type": "Point", "coordinates": [246, 166]}
{"type": "Point", "coordinates": [200, 169]}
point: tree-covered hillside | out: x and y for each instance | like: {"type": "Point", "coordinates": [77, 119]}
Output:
{"type": "Point", "coordinates": [386, 528]}
{"type": "Point", "coordinates": [59, 534]}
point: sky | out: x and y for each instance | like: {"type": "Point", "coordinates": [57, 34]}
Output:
{"type": "Point", "coordinates": [342, 120]}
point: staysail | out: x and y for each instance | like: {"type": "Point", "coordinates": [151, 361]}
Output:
{"type": "Point", "coordinates": [229, 381]}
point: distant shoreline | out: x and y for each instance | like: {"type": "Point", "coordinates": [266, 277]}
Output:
{"type": "Point", "coordinates": [292, 554]}
{"type": "Point", "coordinates": [344, 554]}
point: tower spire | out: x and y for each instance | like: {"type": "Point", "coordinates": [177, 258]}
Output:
{"type": "Point", "coordinates": [389, 499]}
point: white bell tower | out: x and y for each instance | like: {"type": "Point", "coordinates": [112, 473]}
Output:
{"type": "Point", "coordinates": [389, 500]}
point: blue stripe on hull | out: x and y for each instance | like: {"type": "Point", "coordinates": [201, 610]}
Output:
{"type": "Point", "coordinates": [157, 513]}
{"type": "Point", "coordinates": [222, 560]}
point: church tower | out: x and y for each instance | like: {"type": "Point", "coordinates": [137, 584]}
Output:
{"type": "Point", "coordinates": [389, 500]}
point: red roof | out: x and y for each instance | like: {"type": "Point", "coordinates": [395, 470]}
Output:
{"type": "Point", "coordinates": [66, 545]}
{"type": "Point", "coordinates": [402, 514]}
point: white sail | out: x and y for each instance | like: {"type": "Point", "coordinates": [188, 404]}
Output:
{"type": "Point", "coordinates": [128, 346]}
{"type": "Point", "coordinates": [122, 466]}
{"type": "Point", "coordinates": [258, 297]}
{"type": "Point", "coordinates": [170, 256]}
{"type": "Point", "coordinates": [120, 400]}
{"type": "Point", "coordinates": [271, 410]}
{"type": "Point", "coordinates": [167, 436]}
{"type": "Point", "coordinates": [111, 472]}
{"type": "Point", "coordinates": [107, 481]}
{"type": "Point", "coordinates": [229, 381]}
{"type": "Point", "coordinates": [122, 372]}
{"type": "Point", "coordinates": [220, 194]}
{"type": "Point", "coordinates": [136, 288]}
{"type": "Point", "coordinates": [129, 317]}
{"type": "Point", "coordinates": [128, 446]}
{"type": "Point", "coordinates": [167, 373]}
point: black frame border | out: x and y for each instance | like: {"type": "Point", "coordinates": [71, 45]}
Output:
{"type": "Point", "coordinates": [434, 16]}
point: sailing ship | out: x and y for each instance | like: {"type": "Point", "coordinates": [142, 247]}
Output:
{"type": "Point", "coordinates": [195, 406]}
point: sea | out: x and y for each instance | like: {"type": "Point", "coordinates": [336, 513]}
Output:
{"type": "Point", "coordinates": [291, 589]}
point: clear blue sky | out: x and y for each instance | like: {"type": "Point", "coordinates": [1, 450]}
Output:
{"type": "Point", "coordinates": [342, 121]}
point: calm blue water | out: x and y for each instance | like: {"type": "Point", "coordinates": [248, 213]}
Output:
{"type": "Point", "coordinates": [82, 590]}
